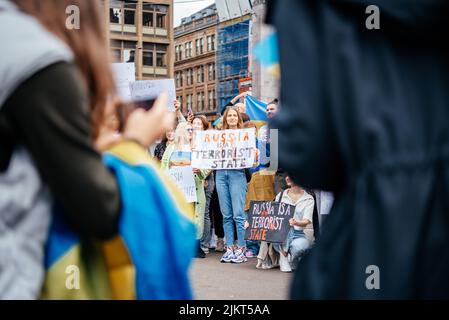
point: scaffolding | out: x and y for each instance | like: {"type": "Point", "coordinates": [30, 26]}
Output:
{"type": "Point", "coordinates": [232, 59]}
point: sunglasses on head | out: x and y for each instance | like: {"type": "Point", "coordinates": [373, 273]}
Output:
{"type": "Point", "coordinates": [189, 130]}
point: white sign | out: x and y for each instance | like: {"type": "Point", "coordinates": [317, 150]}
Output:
{"type": "Point", "coordinates": [149, 89]}
{"type": "Point", "coordinates": [183, 177]}
{"type": "Point", "coordinates": [124, 75]}
{"type": "Point", "coordinates": [224, 149]}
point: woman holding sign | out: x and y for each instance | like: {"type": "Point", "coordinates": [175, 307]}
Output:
{"type": "Point", "coordinates": [232, 188]}
{"type": "Point", "coordinates": [179, 154]}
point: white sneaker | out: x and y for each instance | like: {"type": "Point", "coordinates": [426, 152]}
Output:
{"type": "Point", "coordinates": [213, 242]}
{"type": "Point", "coordinates": [284, 264]}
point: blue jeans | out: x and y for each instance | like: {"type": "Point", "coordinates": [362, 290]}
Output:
{"type": "Point", "coordinates": [231, 188]}
{"type": "Point", "coordinates": [296, 244]}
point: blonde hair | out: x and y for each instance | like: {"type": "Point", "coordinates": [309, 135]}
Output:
{"type": "Point", "coordinates": [181, 133]}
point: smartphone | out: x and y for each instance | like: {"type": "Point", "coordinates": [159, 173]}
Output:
{"type": "Point", "coordinates": [145, 104]}
{"type": "Point", "coordinates": [190, 111]}
{"type": "Point", "coordinates": [125, 108]}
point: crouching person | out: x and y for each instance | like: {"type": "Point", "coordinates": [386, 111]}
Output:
{"type": "Point", "coordinates": [296, 244]}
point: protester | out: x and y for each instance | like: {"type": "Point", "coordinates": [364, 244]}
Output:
{"type": "Point", "coordinates": [279, 177]}
{"type": "Point", "coordinates": [217, 218]}
{"type": "Point", "coordinates": [200, 123]}
{"type": "Point", "coordinates": [64, 77]}
{"type": "Point", "coordinates": [260, 188]}
{"type": "Point", "coordinates": [179, 153]}
{"type": "Point", "coordinates": [232, 188]}
{"type": "Point", "coordinates": [365, 115]}
{"type": "Point", "coordinates": [297, 243]}
{"type": "Point", "coordinates": [168, 139]}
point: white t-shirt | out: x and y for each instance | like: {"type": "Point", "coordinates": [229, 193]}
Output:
{"type": "Point", "coordinates": [304, 207]}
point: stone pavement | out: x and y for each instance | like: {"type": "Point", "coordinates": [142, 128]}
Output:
{"type": "Point", "coordinates": [212, 280]}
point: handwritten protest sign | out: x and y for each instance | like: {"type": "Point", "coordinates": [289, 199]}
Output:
{"type": "Point", "coordinates": [148, 89]}
{"type": "Point", "coordinates": [224, 149]}
{"type": "Point", "coordinates": [268, 221]}
{"type": "Point", "coordinates": [124, 75]}
{"type": "Point", "coordinates": [183, 177]}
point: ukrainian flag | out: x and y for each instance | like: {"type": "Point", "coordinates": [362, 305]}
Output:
{"type": "Point", "coordinates": [267, 53]}
{"type": "Point", "coordinates": [256, 110]}
{"type": "Point", "coordinates": [151, 255]}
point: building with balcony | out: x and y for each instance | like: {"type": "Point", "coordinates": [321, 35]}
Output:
{"type": "Point", "coordinates": [195, 62]}
{"type": "Point", "coordinates": [141, 31]}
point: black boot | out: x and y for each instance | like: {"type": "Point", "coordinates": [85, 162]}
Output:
{"type": "Point", "coordinates": [200, 254]}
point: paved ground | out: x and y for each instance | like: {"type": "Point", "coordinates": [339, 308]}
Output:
{"type": "Point", "coordinates": [213, 280]}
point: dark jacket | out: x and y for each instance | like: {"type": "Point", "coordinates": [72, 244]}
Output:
{"type": "Point", "coordinates": [365, 114]}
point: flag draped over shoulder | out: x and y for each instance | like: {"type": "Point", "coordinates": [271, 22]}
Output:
{"type": "Point", "coordinates": [149, 258]}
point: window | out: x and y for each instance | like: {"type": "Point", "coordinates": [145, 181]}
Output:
{"type": "Point", "coordinates": [212, 100]}
{"type": "Point", "coordinates": [129, 55]}
{"type": "Point", "coordinates": [130, 13]}
{"type": "Point", "coordinates": [180, 101]}
{"type": "Point", "coordinates": [115, 15]}
{"type": "Point", "coordinates": [147, 19]}
{"type": "Point", "coordinates": [148, 58]}
{"type": "Point", "coordinates": [161, 15]}
{"type": "Point", "coordinates": [178, 53]}
{"type": "Point", "coordinates": [160, 21]}
{"type": "Point", "coordinates": [200, 74]}
{"type": "Point", "coordinates": [123, 51]}
{"type": "Point", "coordinates": [200, 102]}
{"type": "Point", "coordinates": [116, 55]}
{"type": "Point", "coordinates": [189, 77]}
{"type": "Point", "coordinates": [211, 72]}
{"type": "Point", "coordinates": [160, 60]}
{"type": "Point", "coordinates": [199, 46]}
{"type": "Point", "coordinates": [130, 17]}
{"type": "Point", "coordinates": [188, 50]}
{"type": "Point", "coordinates": [211, 43]}
{"type": "Point", "coordinates": [178, 78]}
{"type": "Point", "coordinates": [189, 102]}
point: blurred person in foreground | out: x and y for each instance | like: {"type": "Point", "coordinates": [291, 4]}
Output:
{"type": "Point", "coordinates": [56, 84]}
{"type": "Point", "coordinates": [365, 114]}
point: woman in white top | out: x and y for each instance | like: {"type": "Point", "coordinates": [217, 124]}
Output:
{"type": "Point", "coordinates": [297, 243]}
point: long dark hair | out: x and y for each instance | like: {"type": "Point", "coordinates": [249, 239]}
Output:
{"type": "Point", "coordinates": [87, 43]}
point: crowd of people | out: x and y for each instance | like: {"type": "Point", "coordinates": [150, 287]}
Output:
{"type": "Point", "coordinates": [221, 224]}
{"type": "Point", "coordinates": [367, 132]}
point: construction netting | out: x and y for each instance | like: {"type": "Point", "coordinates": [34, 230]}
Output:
{"type": "Point", "coordinates": [232, 59]}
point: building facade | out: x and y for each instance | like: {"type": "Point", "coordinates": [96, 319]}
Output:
{"type": "Point", "coordinates": [232, 58]}
{"type": "Point", "coordinates": [141, 31]}
{"type": "Point", "coordinates": [195, 62]}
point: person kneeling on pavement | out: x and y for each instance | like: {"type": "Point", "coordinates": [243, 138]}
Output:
{"type": "Point", "coordinates": [288, 254]}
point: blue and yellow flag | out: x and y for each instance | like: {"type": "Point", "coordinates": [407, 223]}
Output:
{"type": "Point", "coordinates": [151, 255]}
{"type": "Point", "coordinates": [267, 53]}
{"type": "Point", "coordinates": [256, 110]}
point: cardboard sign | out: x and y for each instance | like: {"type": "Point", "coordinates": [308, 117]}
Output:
{"type": "Point", "coordinates": [148, 89]}
{"type": "Point", "coordinates": [124, 75]}
{"type": "Point", "coordinates": [268, 221]}
{"type": "Point", "coordinates": [184, 179]}
{"type": "Point", "coordinates": [224, 149]}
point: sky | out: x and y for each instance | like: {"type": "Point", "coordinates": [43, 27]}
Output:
{"type": "Point", "coordinates": [186, 9]}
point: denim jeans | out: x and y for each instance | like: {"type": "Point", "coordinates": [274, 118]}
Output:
{"type": "Point", "coordinates": [232, 188]}
{"type": "Point", "coordinates": [207, 223]}
{"type": "Point", "coordinates": [296, 244]}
